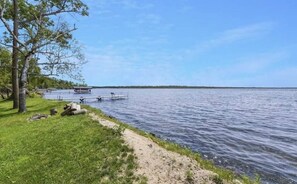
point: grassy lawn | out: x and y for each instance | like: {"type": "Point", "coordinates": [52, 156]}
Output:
{"type": "Point", "coordinates": [72, 149]}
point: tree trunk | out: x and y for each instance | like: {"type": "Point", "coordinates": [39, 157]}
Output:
{"type": "Point", "coordinates": [23, 83]}
{"type": "Point", "coordinates": [14, 71]}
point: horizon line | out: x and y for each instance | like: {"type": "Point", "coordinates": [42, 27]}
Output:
{"type": "Point", "coordinates": [201, 87]}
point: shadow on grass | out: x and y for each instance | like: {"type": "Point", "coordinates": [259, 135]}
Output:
{"type": "Point", "coordinates": [8, 115]}
{"type": "Point", "coordinates": [2, 109]}
{"type": "Point", "coordinates": [31, 109]}
{"type": "Point", "coordinates": [6, 112]}
{"type": "Point", "coordinates": [41, 110]}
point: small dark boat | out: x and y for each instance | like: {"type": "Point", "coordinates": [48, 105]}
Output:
{"type": "Point", "coordinates": [82, 90]}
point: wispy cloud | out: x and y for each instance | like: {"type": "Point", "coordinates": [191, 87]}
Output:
{"type": "Point", "coordinates": [232, 36]}
{"type": "Point", "coordinates": [149, 18]}
{"type": "Point", "coordinates": [241, 33]}
{"type": "Point", "coordinates": [258, 62]}
{"type": "Point", "coordinates": [282, 77]}
{"type": "Point", "coordinates": [247, 71]}
{"type": "Point", "coordinates": [116, 64]}
{"type": "Point", "coordinates": [134, 4]}
{"type": "Point", "coordinates": [105, 5]}
{"type": "Point", "coordinates": [185, 8]}
{"type": "Point", "coordinates": [128, 14]}
{"type": "Point", "coordinates": [134, 57]}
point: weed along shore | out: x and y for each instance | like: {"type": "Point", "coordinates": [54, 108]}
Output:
{"type": "Point", "coordinates": [93, 148]}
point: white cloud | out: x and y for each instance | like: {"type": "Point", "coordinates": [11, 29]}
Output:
{"type": "Point", "coordinates": [121, 65]}
{"type": "Point", "coordinates": [258, 70]}
{"type": "Point", "coordinates": [149, 18]}
{"type": "Point", "coordinates": [105, 5]}
{"type": "Point", "coordinates": [258, 62]}
{"type": "Point", "coordinates": [185, 8]}
{"type": "Point", "coordinates": [244, 32]}
{"type": "Point", "coordinates": [232, 36]}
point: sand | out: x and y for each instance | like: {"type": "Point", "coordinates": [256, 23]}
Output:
{"type": "Point", "coordinates": [158, 164]}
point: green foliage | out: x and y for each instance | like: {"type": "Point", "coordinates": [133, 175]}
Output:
{"type": "Point", "coordinates": [72, 149]}
{"type": "Point", "coordinates": [43, 82]}
{"type": "Point", "coordinates": [189, 176]}
{"type": "Point", "coordinates": [247, 180]}
{"type": "Point", "coordinates": [44, 33]}
{"type": "Point", "coordinates": [217, 180]}
{"type": "Point", "coordinates": [120, 130]}
{"type": "Point", "coordinates": [5, 72]}
{"type": "Point", "coordinates": [5, 67]}
{"type": "Point", "coordinates": [35, 77]}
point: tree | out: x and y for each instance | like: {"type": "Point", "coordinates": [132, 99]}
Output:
{"type": "Point", "coordinates": [44, 34]}
{"type": "Point", "coordinates": [5, 68]}
{"type": "Point", "coordinates": [14, 70]}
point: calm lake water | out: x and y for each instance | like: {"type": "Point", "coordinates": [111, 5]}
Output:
{"type": "Point", "coordinates": [247, 130]}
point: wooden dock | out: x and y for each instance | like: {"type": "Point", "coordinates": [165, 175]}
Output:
{"type": "Point", "coordinates": [99, 98]}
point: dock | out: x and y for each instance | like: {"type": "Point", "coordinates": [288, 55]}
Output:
{"type": "Point", "coordinates": [99, 98]}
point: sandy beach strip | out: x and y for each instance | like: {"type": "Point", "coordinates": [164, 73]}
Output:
{"type": "Point", "coordinates": [159, 165]}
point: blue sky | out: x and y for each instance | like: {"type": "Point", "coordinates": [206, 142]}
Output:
{"type": "Point", "coordinates": [190, 42]}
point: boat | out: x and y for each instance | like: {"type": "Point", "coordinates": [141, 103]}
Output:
{"type": "Point", "coordinates": [82, 89]}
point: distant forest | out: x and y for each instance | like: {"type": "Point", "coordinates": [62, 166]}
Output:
{"type": "Point", "coordinates": [192, 87]}
{"type": "Point", "coordinates": [44, 82]}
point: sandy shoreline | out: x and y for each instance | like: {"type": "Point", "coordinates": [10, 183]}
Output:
{"type": "Point", "coordinates": [159, 165]}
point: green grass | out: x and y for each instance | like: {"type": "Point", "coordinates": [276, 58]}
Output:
{"type": "Point", "coordinates": [72, 149]}
{"type": "Point", "coordinates": [75, 149]}
{"type": "Point", "coordinates": [223, 173]}
{"type": "Point", "coordinates": [189, 176]}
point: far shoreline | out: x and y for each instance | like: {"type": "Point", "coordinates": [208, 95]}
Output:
{"type": "Point", "coordinates": [188, 87]}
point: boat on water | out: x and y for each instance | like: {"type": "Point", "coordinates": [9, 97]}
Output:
{"type": "Point", "coordinates": [82, 89]}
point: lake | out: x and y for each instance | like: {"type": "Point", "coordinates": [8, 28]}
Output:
{"type": "Point", "coordinates": [246, 130]}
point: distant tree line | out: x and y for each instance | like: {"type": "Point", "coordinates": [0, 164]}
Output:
{"type": "Point", "coordinates": [44, 82]}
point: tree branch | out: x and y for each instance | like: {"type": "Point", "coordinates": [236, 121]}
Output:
{"type": "Point", "coordinates": [56, 12]}
{"type": "Point", "coordinates": [44, 75]}
{"type": "Point", "coordinates": [8, 27]}
{"type": "Point", "coordinates": [57, 63]}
